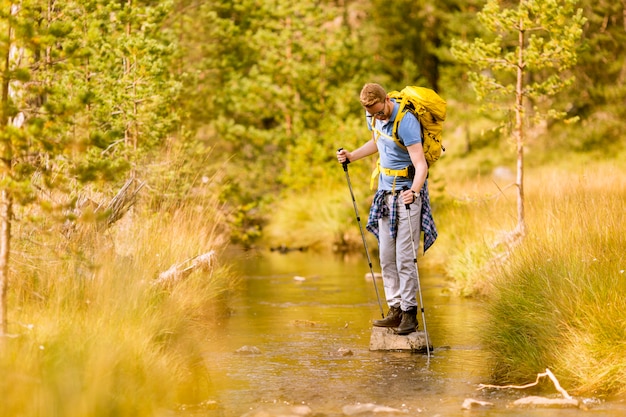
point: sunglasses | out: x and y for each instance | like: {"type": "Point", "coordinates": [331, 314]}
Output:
{"type": "Point", "coordinates": [382, 112]}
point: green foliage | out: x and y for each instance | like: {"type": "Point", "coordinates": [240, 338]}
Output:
{"type": "Point", "coordinates": [409, 41]}
{"type": "Point", "coordinates": [272, 85]}
{"type": "Point", "coordinates": [91, 78]}
{"type": "Point", "coordinates": [304, 223]}
{"type": "Point", "coordinates": [132, 104]}
{"type": "Point", "coordinates": [532, 38]}
{"type": "Point", "coordinates": [600, 71]}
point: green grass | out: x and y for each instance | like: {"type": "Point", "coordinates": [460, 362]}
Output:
{"type": "Point", "coordinates": [93, 336]}
{"type": "Point", "coordinates": [559, 301]}
{"type": "Point", "coordinates": [322, 219]}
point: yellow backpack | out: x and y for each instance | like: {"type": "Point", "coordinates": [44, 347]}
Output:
{"type": "Point", "coordinates": [430, 109]}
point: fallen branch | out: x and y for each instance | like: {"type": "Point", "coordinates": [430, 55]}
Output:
{"type": "Point", "coordinates": [181, 270]}
{"type": "Point", "coordinates": [548, 373]}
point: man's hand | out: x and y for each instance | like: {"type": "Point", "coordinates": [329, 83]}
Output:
{"type": "Point", "coordinates": [343, 156]}
{"type": "Point", "coordinates": [407, 196]}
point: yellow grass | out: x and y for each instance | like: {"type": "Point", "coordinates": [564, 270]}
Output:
{"type": "Point", "coordinates": [91, 333]}
{"type": "Point", "coordinates": [557, 300]}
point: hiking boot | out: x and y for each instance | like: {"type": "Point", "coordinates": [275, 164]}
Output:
{"type": "Point", "coordinates": [409, 322]}
{"type": "Point", "coordinates": [394, 316]}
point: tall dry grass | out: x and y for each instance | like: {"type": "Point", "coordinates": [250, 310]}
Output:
{"type": "Point", "coordinates": [557, 300]}
{"type": "Point", "coordinates": [92, 335]}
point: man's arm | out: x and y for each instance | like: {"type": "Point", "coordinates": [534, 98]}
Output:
{"type": "Point", "coordinates": [416, 152]}
{"type": "Point", "coordinates": [369, 148]}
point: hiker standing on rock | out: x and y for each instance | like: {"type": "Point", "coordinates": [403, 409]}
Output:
{"type": "Point", "coordinates": [401, 172]}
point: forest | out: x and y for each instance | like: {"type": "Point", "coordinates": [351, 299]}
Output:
{"type": "Point", "coordinates": [136, 134]}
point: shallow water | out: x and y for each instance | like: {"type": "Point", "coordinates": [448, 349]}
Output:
{"type": "Point", "coordinates": [310, 316]}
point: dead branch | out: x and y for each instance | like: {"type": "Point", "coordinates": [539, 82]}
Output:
{"type": "Point", "coordinates": [548, 373]}
{"type": "Point", "coordinates": [122, 202]}
{"type": "Point", "coordinates": [183, 269]}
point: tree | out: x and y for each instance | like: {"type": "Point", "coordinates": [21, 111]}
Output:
{"type": "Point", "coordinates": [535, 42]}
{"type": "Point", "coordinates": [599, 91]}
{"type": "Point", "coordinates": [267, 84]}
{"type": "Point", "coordinates": [37, 111]}
{"type": "Point", "coordinates": [602, 69]}
{"type": "Point", "coordinates": [86, 95]}
{"type": "Point", "coordinates": [23, 98]}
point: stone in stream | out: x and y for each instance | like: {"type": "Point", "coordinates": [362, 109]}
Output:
{"type": "Point", "coordinates": [249, 350]}
{"type": "Point", "coordinates": [369, 408]}
{"type": "Point", "coordinates": [281, 411]}
{"type": "Point", "coordinates": [384, 338]}
{"type": "Point", "coordinates": [471, 403]}
{"type": "Point", "coordinates": [537, 402]}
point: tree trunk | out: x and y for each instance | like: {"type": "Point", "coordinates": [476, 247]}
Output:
{"type": "Point", "coordinates": [6, 198]}
{"type": "Point", "coordinates": [519, 133]}
{"type": "Point", "coordinates": [622, 76]}
{"type": "Point", "coordinates": [6, 208]}
{"type": "Point", "coordinates": [4, 151]}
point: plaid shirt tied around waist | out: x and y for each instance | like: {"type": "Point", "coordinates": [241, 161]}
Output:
{"type": "Point", "coordinates": [379, 210]}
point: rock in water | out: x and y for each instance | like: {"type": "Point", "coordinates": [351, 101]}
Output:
{"type": "Point", "coordinates": [471, 403]}
{"type": "Point", "coordinates": [249, 350]}
{"type": "Point", "coordinates": [543, 402]}
{"type": "Point", "coordinates": [353, 410]}
{"type": "Point", "coordinates": [281, 411]}
{"type": "Point", "coordinates": [384, 338]}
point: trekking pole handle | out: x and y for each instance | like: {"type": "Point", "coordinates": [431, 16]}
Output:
{"type": "Point", "coordinates": [345, 163]}
{"type": "Point", "coordinates": [407, 206]}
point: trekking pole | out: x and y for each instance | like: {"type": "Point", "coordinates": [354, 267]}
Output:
{"type": "Point", "coordinates": [419, 290]}
{"type": "Point", "coordinates": [358, 220]}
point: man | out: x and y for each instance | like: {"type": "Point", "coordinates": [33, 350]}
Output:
{"type": "Point", "coordinates": [401, 182]}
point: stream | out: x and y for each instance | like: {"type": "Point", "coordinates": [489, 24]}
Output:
{"type": "Point", "coordinates": [298, 335]}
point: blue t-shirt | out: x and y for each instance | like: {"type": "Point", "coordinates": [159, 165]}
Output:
{"type": "Point", "coordinates": [391, 155]}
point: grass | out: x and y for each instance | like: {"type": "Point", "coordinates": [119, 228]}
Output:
{"type": "Point", "coordinates": [472, 217]}
{"type": "Point", "coordinates": [93, 336]}
{"type": "Point", "coordinates": [558, 301]}
{"type": "Point", "coordinates": [323, 219]}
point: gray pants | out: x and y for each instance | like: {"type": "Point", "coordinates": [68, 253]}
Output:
{"type": "Point", "coordinates": [397, 259]}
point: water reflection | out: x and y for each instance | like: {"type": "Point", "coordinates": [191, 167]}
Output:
{"type": "Point", "coordinates": [309, 315]}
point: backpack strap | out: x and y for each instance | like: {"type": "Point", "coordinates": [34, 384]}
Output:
{"type": "Point", "coordinates": [394, 136]}
{"type": "Point", "coordinates": [376, 134]}
{"type": "Point", "coordinates": [406, 106]}
{"type": "Point", "coordinates": [407, 172]}
{"type": "Point", "coordinates": [396, 124]}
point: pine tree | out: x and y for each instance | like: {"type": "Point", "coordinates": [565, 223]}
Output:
{"type": "Point", "coordinates": [86, 95]}
{"type": "Point", "coordinates": [534, 44]}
